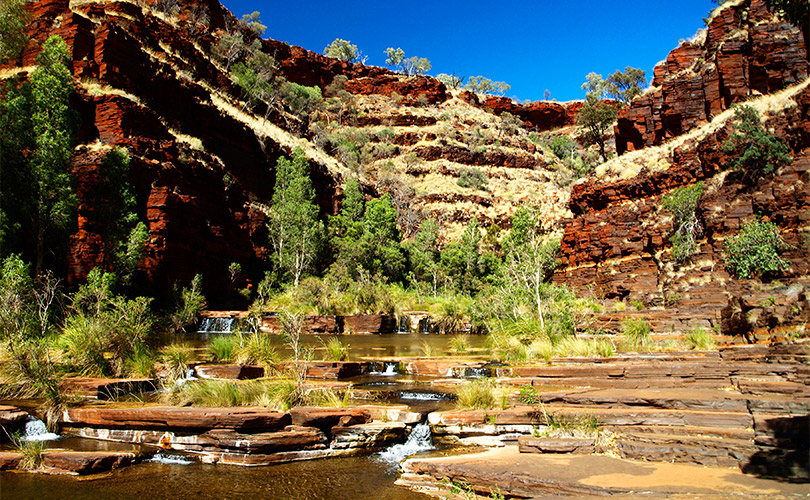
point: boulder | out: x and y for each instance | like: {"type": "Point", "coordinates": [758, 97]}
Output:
{"type": "Point", "coordinates": [85, 462]}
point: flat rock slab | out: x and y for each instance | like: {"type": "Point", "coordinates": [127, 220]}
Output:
{"type": "Point", "coordinates": [71, 462]}
{"type": "Point", "coordinates": [9, 460]}
{"type": "Point", "coordinates": [106, 388]}
{"type": "Point", "coordinates": [528, 475]}
{"type": "Point", "coordinates": [326, 418]}
{"type": "Point", "coordinates": [531, 444]}
{"type": "Point", "coordinates": [11, 420]}
{"type": "Point", "coordinates": [174, 418]}
{"type": "Point", "coordinates": [85, 462]}
{"type": "Point", "coordinates": [229, 372]}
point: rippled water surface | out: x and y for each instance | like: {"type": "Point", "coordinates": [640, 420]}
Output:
{"type": "Point", "coordinates": [351, 478]}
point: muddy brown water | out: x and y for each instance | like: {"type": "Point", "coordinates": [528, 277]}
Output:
{"type": "Point", "coordinates": [348, 478]}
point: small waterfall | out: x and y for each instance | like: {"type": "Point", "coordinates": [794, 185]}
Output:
{"type": "Point", "coordinates": [35, 430]}
{"type": "Point", "coordinates": [477, 372]}
{"type": "Point", "coordinates": [170, 459]}
{"type": "Point", "coordinates": [424, 325]}
{"type": "Point", "coordinates": [425, 396]}
{"type": "Point", "coordinates": [420, 439]}
{"type": "Point", "coordinates": [404, 324]}
{"type": "Point", "coordinates": [389, 369]}
{"type": "Point", "coordinates": [191, 374]}
{"type": "Point", "coordinates": [216, 325]}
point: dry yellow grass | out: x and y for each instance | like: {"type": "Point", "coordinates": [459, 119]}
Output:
{"type": "Point", "coordinates": [658, 158]}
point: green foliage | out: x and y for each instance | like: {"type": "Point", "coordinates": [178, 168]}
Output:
{"type": "Point", "coordinates": [27, 311]}
{"type": "Point", "coordinates": [699, 339]}
{"type": "Point", "coordinates": [336, 350]}
{"type": "Point", "coordinates": [253, 22]}
{"type": "Point", "coordinates": [528, 395]}
{"type": "Point", "coordinates": [343, 50]}
{"type": "Point", "coordinates": [300, 99]}
{"type": "Point", "coordinates": [449, 81]}
{"type": "Point", "coordinates": [176, 358]}
{"type": "Point", "coordinates": [53, 126]}
{"type": "Point", "coordinates": [256, 349]}
{"type": "Point", "coordinates": [408, 66]}
{"type": "Point", "coordinates": [223, 347]}
{"type": "Point", "coordinates": [563, 147]}
{"type": "Point", "coordinates": [636, 333]}
{"type": "Point", "coordinates": [755, 250]}
{"type": "Point", "coordinates": [623, 86]}
{"type": "Point", "coordinates": [296, 233]}
{"type": "Point", "coordinates": [682, 203]}
{"type": "Point", "coordinates": [460, 344]}
{"type": "Point", "coordinates": [597, 119]}
{"type": "Point", "coordinates": [477, 395]}
{"type": "Point", "coordinates": [626, 85]}
{"type": "Point", "coordinates": [13, 37]}
{"type": "Point", "coordinates": [256, 77]}
{"type": "Point", "coordinates": [190, 301]}
{"type": "Point", "coordinates": [757, 151]}
{"type": "Point", "coordinates": [472, 177]}
{"type": "Point", "coordinates": [105, 331]}
{"type": "Point", "coordinates": [482, 85]}
{"type": "Point", "coordinates": [123, 235]}
{"type": "Point", "coordinates": [229, 49]}
{"type": "Point", "coordinates": [31, 451]}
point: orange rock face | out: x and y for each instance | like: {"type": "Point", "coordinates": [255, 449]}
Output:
{"type": "Point", "coordinates": [746, 52]}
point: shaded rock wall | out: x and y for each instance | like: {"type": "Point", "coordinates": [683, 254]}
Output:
{"type": "Point", "coordinates": [746, 51]}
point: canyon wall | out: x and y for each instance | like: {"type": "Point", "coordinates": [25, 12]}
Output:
{"type": "Point", "coordinates": [745, 51]}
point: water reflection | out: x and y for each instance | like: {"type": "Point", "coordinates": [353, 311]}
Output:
{"type": "Point", "coordinates": [348, 478]}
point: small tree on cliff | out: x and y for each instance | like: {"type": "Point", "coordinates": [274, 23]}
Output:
{"type": "Point", "coordinates": [482, 85]}
{"type": "Point", "coordinates": [596, 117]}
{"type": "Point", "coordinates": [343, 50]}
{"type": "Point", "coordinates": [296, 233]}
{"type": "Point", "coordinates": [410, 66]}
{"type": "Point", "coordinates": [626, 85]}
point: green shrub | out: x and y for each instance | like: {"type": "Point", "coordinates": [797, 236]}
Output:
{"type": "Point", "coordinates": [682, 203]}
{"type": "Point", "coordinates": [563, 147]}
{"type": "Point", "coordinates": [460, 344]}
{"type": "Point", "coordinates": [636, 333]}
{"type": "Point", "coordinates": [472, 177]}
{"type": "Point", "coordinates": [141, 363]}
{"type": "Point", "coordinates": [700, 339]}
{"type": "Point", "coordinates": [256, 349]}
{"type": "Point", "coordinates": [528, 395]}
{"type": "Point", "coordinates": [189, 303]}
{"type": "Point", "coordinates": [757, 152]}
{"type": "Point", "coordinates": [755, 250]}
{"type": "Point", "coordinates": [336, 350]}
{"type": "Point", "coordinates": [223, 347]}
{"type": "Point", "coordinates": [478, 394]}
{"type": "Point", "coordinates": [176, 358]}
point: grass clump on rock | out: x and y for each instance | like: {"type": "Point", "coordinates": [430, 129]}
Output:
{"type": "Point", "coordinates": [636, 333]}
{"type": "Point", "coordinates": [479, 394]}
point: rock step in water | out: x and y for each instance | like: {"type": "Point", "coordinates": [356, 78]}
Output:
{"type": "Point", "coordinates": [72, 462]}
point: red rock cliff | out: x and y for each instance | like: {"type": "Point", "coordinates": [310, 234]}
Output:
{"type": "Point", "coordinates": [745, 51]}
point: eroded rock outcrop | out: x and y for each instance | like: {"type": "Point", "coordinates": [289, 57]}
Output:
{"type": "Point", "coordinates": [617, 245]}
{"type": "Point", "coordinates": [745, 51]}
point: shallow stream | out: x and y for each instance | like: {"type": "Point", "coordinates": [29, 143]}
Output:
{"type": "Point", "coordinates": [350, 478]}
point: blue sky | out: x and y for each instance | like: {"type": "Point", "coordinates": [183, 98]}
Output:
{"type": "Point", "coordinates": [531, 45]}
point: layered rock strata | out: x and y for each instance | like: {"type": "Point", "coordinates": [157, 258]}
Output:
{"type": "Point", "coordinates": [744, 51]}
